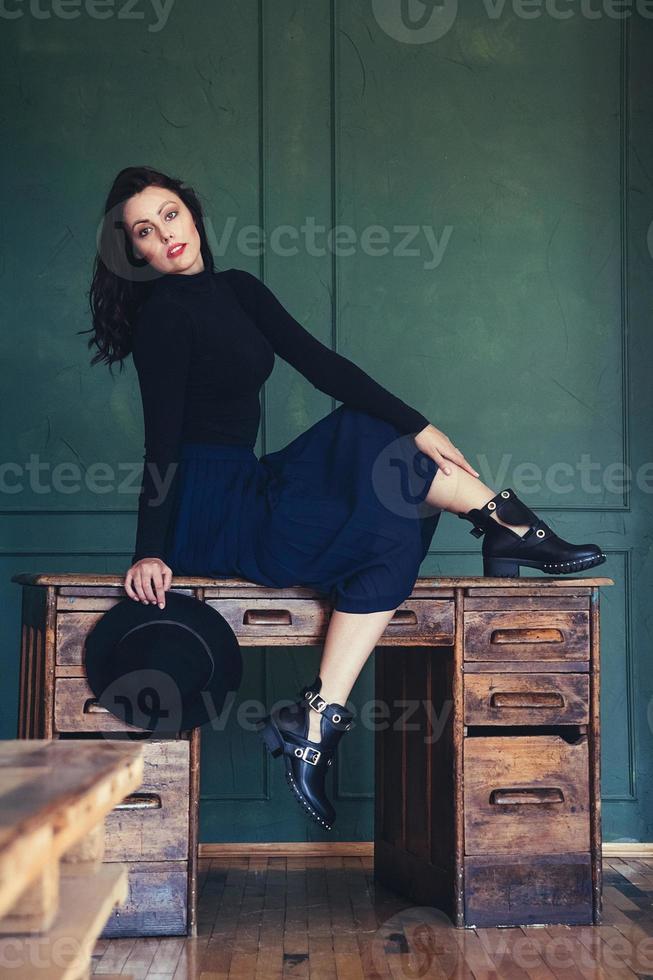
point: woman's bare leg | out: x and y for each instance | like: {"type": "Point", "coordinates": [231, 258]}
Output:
{"type": "Point", "coordinates": [351, 637]}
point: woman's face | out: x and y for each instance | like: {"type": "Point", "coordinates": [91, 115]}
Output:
{"type": "Point", "coordinates": [159, 222]}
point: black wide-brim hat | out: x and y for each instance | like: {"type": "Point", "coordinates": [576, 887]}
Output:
{"type": "Point", "coordinates": [163, 670]}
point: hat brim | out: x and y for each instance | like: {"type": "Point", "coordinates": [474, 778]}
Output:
{"type": "Point", "coordinates": [164, 670]}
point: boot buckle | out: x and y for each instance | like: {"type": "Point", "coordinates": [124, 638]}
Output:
{"type": "Point", "coordinates": [301, 754]}
{"type": "Point", "coordinates": [312, 697]}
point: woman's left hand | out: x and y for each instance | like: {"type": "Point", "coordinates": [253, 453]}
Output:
{"type": "Point", "coordinates": [439, 447]}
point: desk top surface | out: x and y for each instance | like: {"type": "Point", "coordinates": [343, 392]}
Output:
{"type": "Point", "coordinates": [422, 584]}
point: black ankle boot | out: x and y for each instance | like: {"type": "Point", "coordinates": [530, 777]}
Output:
{"type": "Point", "coordinates": [285, 731]}
{"type": "Point", "coordinates": [505, 550]}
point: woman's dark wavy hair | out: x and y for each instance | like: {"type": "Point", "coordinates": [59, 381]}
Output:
{"type": "Point", "coordinates": [121, 281]}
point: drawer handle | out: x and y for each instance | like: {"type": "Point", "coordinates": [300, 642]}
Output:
{"type": "Point", "coordinates": [267, 617]}
{"type": "Point", "coordinates": [404, 617]}
{"type": "Point", "coordinates": [526, 634]}
{"type": "Point", "coordinates": [527, 699]}
{"type": "Point", "coordinates": [140, 801]}
{"type": "Point", "coordinates": [91, 707]}
{"type": "Point", "coordinates": [528, 794]}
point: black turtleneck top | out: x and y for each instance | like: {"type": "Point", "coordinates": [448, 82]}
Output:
{"type": "Point", "coordinates": [203, 346]}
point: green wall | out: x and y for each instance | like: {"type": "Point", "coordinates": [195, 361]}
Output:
{"type": "Point", "coordinates": [508, 162]}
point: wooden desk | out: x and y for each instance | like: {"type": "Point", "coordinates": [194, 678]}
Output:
{"type": "Point", "coordinates": [490, 810]}
{"type": "Point", "coordinates": [55, 891]}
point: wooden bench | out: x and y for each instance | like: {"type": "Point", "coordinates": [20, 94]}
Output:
{"type": "Point", "coordinates": [489, 810]}
{"type": "Point", "coordinates": [56, 893]}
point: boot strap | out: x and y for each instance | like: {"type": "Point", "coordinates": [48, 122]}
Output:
{"type": "Point", "coordinates": [509, 508]}
{"type": "Point", "coordinates": [339, 717]}
{"type": "Point", "coordinates": [302, 749]}
{"type": "Point", "coordinates": [540, 530]}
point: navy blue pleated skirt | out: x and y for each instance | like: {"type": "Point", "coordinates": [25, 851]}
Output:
{"type": "Point", "coordinates": [341, 509]}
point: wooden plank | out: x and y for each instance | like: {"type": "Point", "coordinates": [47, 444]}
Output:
{"type": "Point", "coordinates": [551, 600]}
{"type": "Point", "coordinates": [86, 903]}
{"type": "Point", "coordinates": [87, 854]}
{"type": "Point", "coordinates": [74, 671]}
{"type": "Point", "coordinates": [517, 666]}
{"type": "Point", "coordinates": [595, 756]}
{"type": "Point", "coordinates": [458, 883]}
{"type": "Point", "coordinates": [45, 723]}
{"type": "Point", "coordinates": [141, 958]}
{"type": "Point", "coordinates": [260, 850]}
{"type": "Point", "coordinates": [36, 663]}
{"type": "Point", "coordinates": [77, 579]}
{"type": "Point", "coordinates": [418, 762]}
{"type": "Point", "coordinates": [509, 588]}
{"type": "Point", "coordinates": [98, 599]}
{"type": "Point", "coordinates": [36, 908]}
{"type": "Point", "coordinates": [274, 922]}
{"type": "Point", "coordinates": [166, 958]}
{"type": "Point", "coordinates": [71, 789]}
{"type": "Point", "coordinates": [394, 788]}
{"type": "Point", "coordinates": [193, 829]}
{"type": "Point", "coordinates": [301, 849]}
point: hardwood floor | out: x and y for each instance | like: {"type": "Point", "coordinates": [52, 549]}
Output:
{"type": "Point", "coordinates": [322, 918]}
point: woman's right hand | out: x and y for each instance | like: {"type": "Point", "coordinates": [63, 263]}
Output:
{"type": "Point", "coordinates": [440, 448]}
{"type": "Point", "coordinates": [148, 580]}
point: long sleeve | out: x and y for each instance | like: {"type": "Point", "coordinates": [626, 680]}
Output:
{"type": "Point", "coordinates": [327, 370]}
{"type": "Point", "coordinates": [161, 352]}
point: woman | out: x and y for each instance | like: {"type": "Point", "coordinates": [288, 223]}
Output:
{"type": "Point", "coordinates": [348, 507]}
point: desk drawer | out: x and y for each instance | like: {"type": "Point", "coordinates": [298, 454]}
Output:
{"type": "Point", "coordinates": [526, 794]}
{"type": "Point", "coordinates": [152, 824]}
{"type": "Point", "coordinates": [526, 699]}
{"type": "Point", "coordinates": [272, 621]}
{"type": "Point", "coordinates": [520, 634]}
{"type": "Point", "coordinates": [72, 630]}
{"type": "Point", "coordinates": [157, 902]}
{"type": "Point", "coordinates": [76, 620]}
{"type": "Point", "coordinates": [430, 620]}
{"type": "Point", "coordinates": [523, 889]}
{"type": "Point", "coordinates": [76, 709]}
